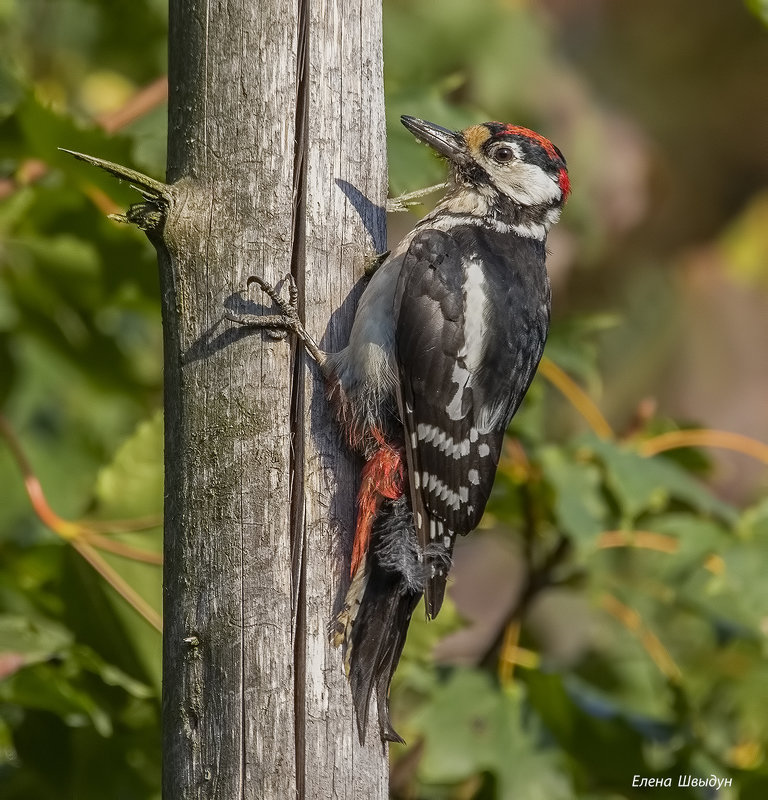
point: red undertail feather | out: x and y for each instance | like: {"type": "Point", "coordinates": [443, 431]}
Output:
{"type": "Point", "coordinates": [383, 478]}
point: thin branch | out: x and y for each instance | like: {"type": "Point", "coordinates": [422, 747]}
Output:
{"type": "Point", "coordinates": [539, 577]}
{"type": "Point", "coordinates": [704, 437]}
{"type": "Point", "coordinates": [121, 549]}
{"type": "Point", "coordinates": [138, 525]}
{"type": "Point", "coordinates": [64, 528]}
{"type": "Point", "coordinates": [577, 397]}
{"type": "Point", "coordinates": [513, 655]}
{"type": "Point", "coordinates": [508, 646]}
{"type": "Point", "coordinates": [633, 622]}
{"type": "Point", "coordinates": [142, 102]}
{"type": "Point", "coordinates": [149, 187]}
{"type": "Point", "coordinates": [79, 535]}
{"type": "Point", "coordinates": [649, 540]}
{"type": "Point", "coordinates": [119, 584]}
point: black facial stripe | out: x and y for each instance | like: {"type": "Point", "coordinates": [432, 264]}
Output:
{"type": "Point", "coordinates": [476, 175]}
{"type": "Point", "coordinates": [533, 152]}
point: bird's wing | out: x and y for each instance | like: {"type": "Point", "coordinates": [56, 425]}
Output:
{"type": "Point", "coordinates": [461, 379]}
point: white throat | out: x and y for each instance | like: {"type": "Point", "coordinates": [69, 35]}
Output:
{"type": "Point", "coordinates": [470, 205]}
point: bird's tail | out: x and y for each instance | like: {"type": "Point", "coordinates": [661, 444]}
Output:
{"type": "Point", "coordinates": [377, 611]}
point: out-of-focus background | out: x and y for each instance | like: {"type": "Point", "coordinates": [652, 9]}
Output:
{"type": "Point", "coordinates": [609, 619]}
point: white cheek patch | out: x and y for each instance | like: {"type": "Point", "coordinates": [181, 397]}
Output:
{"type": "Point", "coordinates": [527, 184]}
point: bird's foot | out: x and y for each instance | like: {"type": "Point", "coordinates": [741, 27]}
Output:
{"type": "Point", "coordinates": [373, 262]}
{"type": "Point", "coordinates": [286, 321]}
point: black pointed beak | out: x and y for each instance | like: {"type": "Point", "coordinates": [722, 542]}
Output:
{"type": "Point", "coordinates": [448, 143]}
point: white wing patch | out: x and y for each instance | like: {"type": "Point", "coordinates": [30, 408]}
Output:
{"type": "Point", "coordinates": [460, 376]}
{"type": "Point", "coordinates": [430, 434]}
{"type": "Point", "coordinates": [441, 491]}
{"type": "Point", "coordinates": [470, 357]}
{"type": "Point", "coordinates": [475, 310]}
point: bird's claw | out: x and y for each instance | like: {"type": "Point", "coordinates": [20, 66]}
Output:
{"type": "Point", "coordinates": [373, 262]}
{"type": "Point", "coordinates": [288, 309]}
{"type": "Point", "coordinates": [287, 319]}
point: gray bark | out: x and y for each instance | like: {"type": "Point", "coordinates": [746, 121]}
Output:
{"type": "Point", "coordinates": [276, 139]}
{"type": "Point", "coordinates": [345, 169]}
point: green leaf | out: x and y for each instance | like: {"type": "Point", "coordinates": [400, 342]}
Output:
{"type": "Point", "coordinates": [579, 505]}
{"type": "Point", "coordinates": [45, 131]}
{"type": "Point", "coordinates": [11, 91]}
{"type": "Point", "coordinates": [49, 687]}
{"type": "Point", "coordinates": [643, 485]}
{"type": "Point", "coordinates": [416, 671]}
{"type": "Point", "coordinates": [697, 537]}
{"type": "Point", "coordinates": [759, 8]}
{"type": "Point", "coordinates": [32, 639]}
{"type": "Point", "coordinates": [89, 660]}
{"type": "Point", "coordinates": [132, 485]}
{"type": "Point", "coordinates": [607, 742]}
{"type": "Point", "coordinates": [741, 592]}
{"type": "Point", "coordinates": [753, 526]}
{"type": "Point", "coordinates": [571, 344]}
{"type": "Point", "coordinates": [470, 726]}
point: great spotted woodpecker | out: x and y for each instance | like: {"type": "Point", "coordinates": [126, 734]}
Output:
{"type": "Point", "coordinates": [445, 342]}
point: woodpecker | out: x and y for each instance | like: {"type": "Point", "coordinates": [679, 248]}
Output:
{"type": "Point", "coordinates": [445, 342]}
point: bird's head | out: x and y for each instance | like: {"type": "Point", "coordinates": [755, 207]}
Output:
{"type": "Point", "coordinates": [511, 171]}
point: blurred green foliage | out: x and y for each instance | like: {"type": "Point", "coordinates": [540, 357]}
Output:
{"type": "Point", "coordinates": [659, 569]}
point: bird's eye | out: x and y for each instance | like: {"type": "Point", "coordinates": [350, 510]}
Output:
{"type": "Point", "coordinates": [503, 154]}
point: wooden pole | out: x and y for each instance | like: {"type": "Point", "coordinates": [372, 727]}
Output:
{"type": "Point", "coordinates": [346, 187]}
{"type": "Point", "coordinates": [276, 163]}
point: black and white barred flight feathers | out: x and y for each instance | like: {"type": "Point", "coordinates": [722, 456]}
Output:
{"type": "Point", "coordinates": [472, 317]}
{"type": "Point", "coordinates": [445, 342]}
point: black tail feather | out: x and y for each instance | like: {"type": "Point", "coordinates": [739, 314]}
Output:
{"type": "Point", "coordinates": [381, 624]}
{"type": "Point", "coordinates": [436, 595]}
{"type": "Point", "coordinates": [389, 662]}
{"type": "Point", "coordinates": [376, 641]}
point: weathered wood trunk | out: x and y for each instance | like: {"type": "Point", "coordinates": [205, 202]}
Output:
{"type": "Point", "coordinates": [276, 156]}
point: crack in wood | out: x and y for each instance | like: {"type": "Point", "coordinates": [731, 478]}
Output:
{"type": "Point", "coordinates": [298, 415]}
